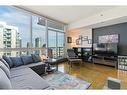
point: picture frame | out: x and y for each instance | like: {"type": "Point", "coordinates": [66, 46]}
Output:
{"type": "Point", "coordinates": [69, 39]}
{"type": "Point", "coordinates": [77, 42]}
{"type": "Point", "coordinates": [80, 37]}
{"type": "Point", "coordinates": [89, 41]}
{"type": "Point", "coordinates": [85, 38]}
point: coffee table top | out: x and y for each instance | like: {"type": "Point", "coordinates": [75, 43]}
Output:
{"type": "Point", "coordinates": [51, 60]}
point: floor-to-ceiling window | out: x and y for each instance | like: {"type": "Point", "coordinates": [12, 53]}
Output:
{"type": "Point", "coordinates": [55, 39]}
{"type": "Point", "coordinates": [52, 42]}
{"type": "Point", "coordinates": [39, 35]}
{"type": "Point", "coordinates": [60, 44]}
{"type": "Point", "coordinates": [23, 33]}
{"type": "Point", "coordinates": [14, 30]}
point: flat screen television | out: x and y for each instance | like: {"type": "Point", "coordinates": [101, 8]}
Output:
{"type": "Point", "coordinates": [109, 38]}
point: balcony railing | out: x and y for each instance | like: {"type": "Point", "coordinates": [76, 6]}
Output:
{"type": "Point", "coordinates": [56, 53]}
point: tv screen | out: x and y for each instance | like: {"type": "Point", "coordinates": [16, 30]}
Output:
{"type": "Point", "coordinates": [109, 38]}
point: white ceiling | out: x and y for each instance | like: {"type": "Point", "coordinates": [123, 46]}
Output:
{"type": "Point", "coordinates": [67, 14]}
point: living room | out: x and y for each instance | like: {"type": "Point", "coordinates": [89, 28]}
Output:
{"type": "Point", "coordinates": [44, 48]}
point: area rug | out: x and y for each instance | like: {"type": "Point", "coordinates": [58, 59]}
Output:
{"type": "Point", "coordinates": [59, 80]}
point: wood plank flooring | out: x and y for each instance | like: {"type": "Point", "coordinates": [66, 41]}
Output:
{"type": "Point", "coordinates": [95, 74]}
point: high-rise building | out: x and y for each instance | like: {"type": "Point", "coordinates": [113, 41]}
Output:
{"type": "Point", "coordinates": [9, 38]}
{"type": "Point", "coordinates": [38, 44]}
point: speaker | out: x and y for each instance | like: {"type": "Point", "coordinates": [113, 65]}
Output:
{"type": "Point", "coordinates": [114, 83]}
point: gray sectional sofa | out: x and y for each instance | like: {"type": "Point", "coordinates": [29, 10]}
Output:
{"type": "Point", "coordinates": [22, 73]}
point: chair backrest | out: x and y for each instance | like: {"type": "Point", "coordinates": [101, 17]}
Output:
{"type": "Point", "coordinates": [71, 53]}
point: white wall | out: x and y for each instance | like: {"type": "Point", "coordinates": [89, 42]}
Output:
{"type": "Point", "coordinates": [105, 16]}
{"type": "Point", "coordinates": [75, 34]}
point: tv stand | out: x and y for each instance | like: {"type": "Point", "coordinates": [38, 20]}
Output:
{"type": "Point", "coordinates": [105, 58]}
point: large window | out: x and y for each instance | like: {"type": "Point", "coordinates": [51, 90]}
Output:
{"type": "Point", "coordinates": [23, 33]}
{"type": "Point", "coordinates": [52, 44]}
{"type": "Point", "coordinates": [55, 39]}
{"type": "Point", "coordinates": [60, 44]}
{"type": "Point", "coordinates": [14, 30]}
{"type": "Point", "coordinates": [39, 34]}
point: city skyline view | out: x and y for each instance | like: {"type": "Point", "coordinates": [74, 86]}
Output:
{"type": "Point", "coordinates": [16, 18]}
{"type": "Point", "coordinates": [22, 20]}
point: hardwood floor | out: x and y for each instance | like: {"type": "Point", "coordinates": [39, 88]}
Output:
{"type": "Point", "coordinates": [95, 74]}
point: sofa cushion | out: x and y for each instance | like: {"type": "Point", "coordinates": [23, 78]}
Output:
{"type": "Point", "coordinates": [36, 58]}
{"type": "Point", "coordinates": [19, 72]}
{"type": "Point", "coordinates": [17, 61]}
{"type": "Point", "coordinates": [2, 60]}
{"type": "Point", "coordinates": [5, 69]}
{"type": "Point", "coordinates": [8, 60]}
{"type": "Point", "coordinates": [27, 59]}
{"type": "Point", "coordinates": [27, 79]}
{"type": "Point", "coordinates": [4, 81]}
{"type": "Point", "coordinates": [27, 66]}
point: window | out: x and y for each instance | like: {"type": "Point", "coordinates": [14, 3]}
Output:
{"type": "Point", "coordinates": [14, 29]}
{"type": "Point", "coordinates": [39, 34]}
{"type": "Point", "coordinates": [55, 39]}
{"type": "Point", "coordinates": [52, 46]}
{"type": "Point", "coordinates": [60, 44]}
{"type": "Point", "coordinates": [23, 33]}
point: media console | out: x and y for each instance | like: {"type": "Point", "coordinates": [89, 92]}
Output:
{"type": "Point", "coordinates": [105, 58]}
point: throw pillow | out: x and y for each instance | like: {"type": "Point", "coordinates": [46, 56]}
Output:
{"type": "Point", "coordinates": [5, 69]}
{"type": "Point", "coordinates": [2, 60]}
{"type": "Point", "coordinates": [4, 81]}
{"type": "Point", "coordinates": [36, 58]}
{"type": "Point", "coordinates": [8, 60]}
{"type": "Point", "coordinates": [17, 61]}
{"type": "Point", "coordinates": [27, 59]}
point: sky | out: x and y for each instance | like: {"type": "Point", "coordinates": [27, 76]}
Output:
{"type": "Point", "coordinates": [21, 20]}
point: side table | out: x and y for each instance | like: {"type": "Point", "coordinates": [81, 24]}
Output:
{"type": "Point", "coordinates": [51, 65]}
